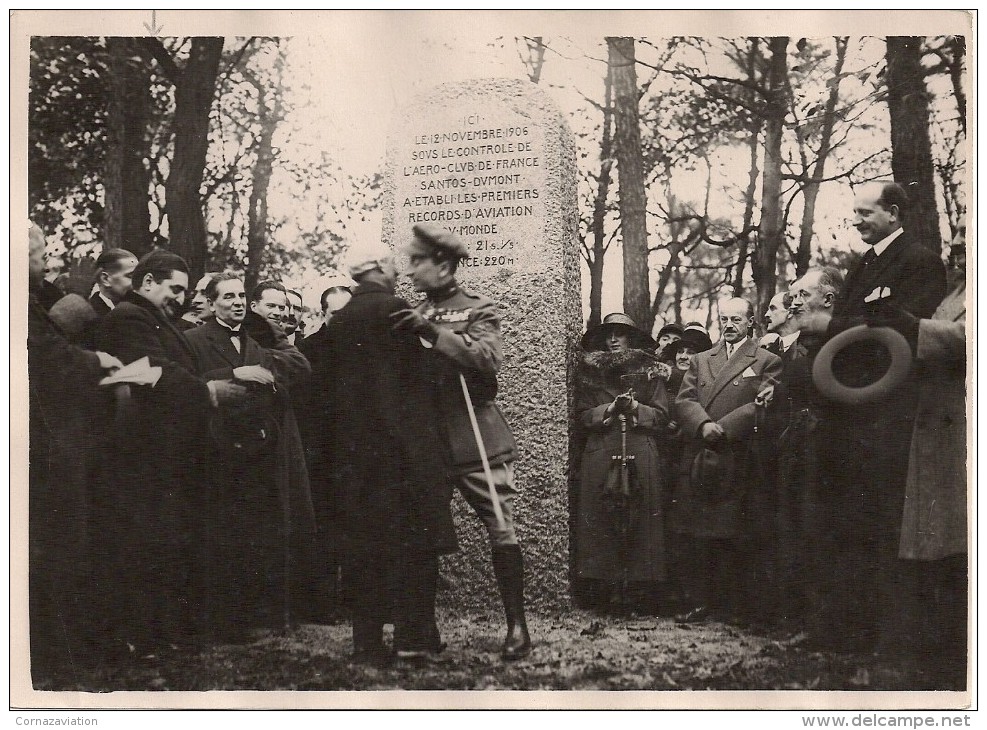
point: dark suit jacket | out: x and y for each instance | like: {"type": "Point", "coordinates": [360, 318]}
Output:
{"type": "Point", "coordinates": [64, 427]}
{"type": "Point", "coordinates": [913, 273]}
{"type": "Point", "coordinates": [168, 412]}
{"type": "Point", "coordinates": [215, 355]}
{"type": "Point", "coordinates": [99, 306]}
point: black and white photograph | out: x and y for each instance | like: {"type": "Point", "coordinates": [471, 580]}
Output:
{"type": "Point", "coordinates": [547, 359]}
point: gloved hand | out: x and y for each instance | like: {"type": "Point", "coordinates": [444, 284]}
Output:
{"type": "Point", "coordinates": [887, 315]}
{"type": "Point", "coordinates": [765, 396]}
{"type": "Point", "coordinates": [408, 320]}
{"type": "Point", "coordinates": [712, 433]}
{"type": "Point", "coordinates": [225, 391]}
{"type": "Point", "coordinates": [254, 374]}
{"type": "Point", "coordinates": [624, 404]}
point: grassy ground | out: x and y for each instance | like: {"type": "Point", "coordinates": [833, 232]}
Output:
{"type": "Point", "coordinates": [576, 650]}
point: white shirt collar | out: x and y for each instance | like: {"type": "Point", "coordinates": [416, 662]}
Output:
{"type": "Point", "coordinates": [109, 302]}
{"type": "Point", "coordinates": [882, 246]}
{"type": "Point", "coordinates": [789, 340]}
{"type": "Point", "coordinates": [231, 328]}
{"type": "Point", "coordinates": [733, 348]}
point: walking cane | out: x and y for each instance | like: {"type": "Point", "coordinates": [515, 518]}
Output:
{"type": "Point", "coordinates": [483, 455]}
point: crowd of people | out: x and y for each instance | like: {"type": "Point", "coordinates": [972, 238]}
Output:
{"type": "Point", "coordinates": [730, 482]}
{"type": "Point", "coordinates": [200, 471]}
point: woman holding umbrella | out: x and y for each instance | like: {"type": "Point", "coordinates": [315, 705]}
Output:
{"type": "Point", "coordinates": [622, 410]}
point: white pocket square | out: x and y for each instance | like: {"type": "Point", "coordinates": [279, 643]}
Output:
{"type": "Point", "coordinates": [749, 373]}
{"type": "Point", "coordinates": [878, 293]}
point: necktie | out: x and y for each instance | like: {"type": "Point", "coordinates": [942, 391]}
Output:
{"type": "Point", "coordinates": [869, 257]}
{"type": "Point", "coordinates": [235, 338]}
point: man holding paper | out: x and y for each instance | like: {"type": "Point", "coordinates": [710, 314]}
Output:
{"type": "Point", "coordinates": [716, 409]}
{"type": "Point", "coordinates": [149, 502]}
{"type": "Point", "coordinates": [246, 528]}
{"type": "Point", "coordinates": [62, 381]}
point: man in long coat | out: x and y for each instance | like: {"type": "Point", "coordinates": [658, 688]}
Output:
{"type": "Point", "coordinates": [62, 383]}
{"type": "Point", "coordinates": [717, 413]}
{"type": "Point", "coordinates": [245, 525]}
{"type": "Point", "coordinates": [150, 500]}
{"type": "Point", "coordinates": [934, 540]}
{"type": "Point", "coordinates": [391, 497]}
{"type": "Point", "coordinates": [816, 518]}
{"type": "Point", "coordinates": [314, 413]}
{"type": "Point", "coordinates": [898, 272]}
{"type": "Point", "coordinates": [268, 304]}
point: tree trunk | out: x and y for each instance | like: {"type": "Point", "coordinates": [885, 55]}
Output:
{"type": "Point", "coordinates": [600, 207]}
{"type": "Point", "coordinates": [681, 236]}
{"type": "Point", "coordinates": [126, 181]}
{"type": "Point", "coordinates": [911, 149]}
{"type": "Point", "coordinates": [744, 242]}
{"type": "Point", "coordinates": [195, 88]}
{"type": "Point", "coordinates": [803, 256]}
{"type": "Point", "coordinates": [677, 301]}
{"type": "Point", "coordinates": [630, 178]}
{"type": "Point", "coordinates": [771, 229]}
{"type": "Point", "coordinates": [268, 116]}
{"type": "Point", "coordinates": [956, 67]}
{"type": "Point", "coordinates": [536, 58]}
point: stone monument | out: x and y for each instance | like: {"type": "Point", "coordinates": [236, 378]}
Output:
{"type": "Point", "coordinates": [494, 161]}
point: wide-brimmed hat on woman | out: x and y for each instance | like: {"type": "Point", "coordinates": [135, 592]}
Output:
{"type": "Point", "coordinates": [595, 337]}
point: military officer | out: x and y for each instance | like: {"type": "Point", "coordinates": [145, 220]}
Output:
{"type": "Point", "coordinates": [462, 329]}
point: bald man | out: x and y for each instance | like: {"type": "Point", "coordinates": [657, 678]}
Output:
{"type": "Point", "coordinates": [716, 409]}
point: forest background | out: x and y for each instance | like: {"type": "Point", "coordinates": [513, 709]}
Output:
{"type": "Point", "coordinates": [708, 165]}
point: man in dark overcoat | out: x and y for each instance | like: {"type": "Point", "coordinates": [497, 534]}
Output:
{"type": "Point", "coordinates": [267, 306]}
{"type": "Point", "coordinates": [114, 268]}
{"type": "Point", "coordinates": [716, 410]}
{"type": "Point", "coordinates": [150, 498]}
{"type": "Point", "coordinates": [897, 272]}
{"type": "Point", "coordinates": [244, 517]}
{"type": "Point", "coordinates": [62, 383]}
{"type": "Point", "coordinates": [813, 521]}
{"type": "Point", "coordinates": [391, 503]}
{"type": "Point", "coordinates": [314, 413]}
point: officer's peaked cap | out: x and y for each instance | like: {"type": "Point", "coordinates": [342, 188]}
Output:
{"type": "Point", "coordinates": [434, 241]}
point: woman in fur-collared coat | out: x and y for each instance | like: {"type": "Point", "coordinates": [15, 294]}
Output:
{"type": "Point", "coordinates": [620, 555]}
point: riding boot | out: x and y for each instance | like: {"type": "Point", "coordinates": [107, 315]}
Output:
{"type": "Point", "coordinates": [509, 569]}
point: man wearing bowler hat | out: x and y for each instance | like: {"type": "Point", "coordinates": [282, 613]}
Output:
{"type": "Point", "coordinates": [462, 329]}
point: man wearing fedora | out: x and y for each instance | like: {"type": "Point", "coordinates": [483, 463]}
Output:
{"type": "Point", "coordinates": [462, 330]}
{"type": "Point", "coordinates": [717, 413]}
